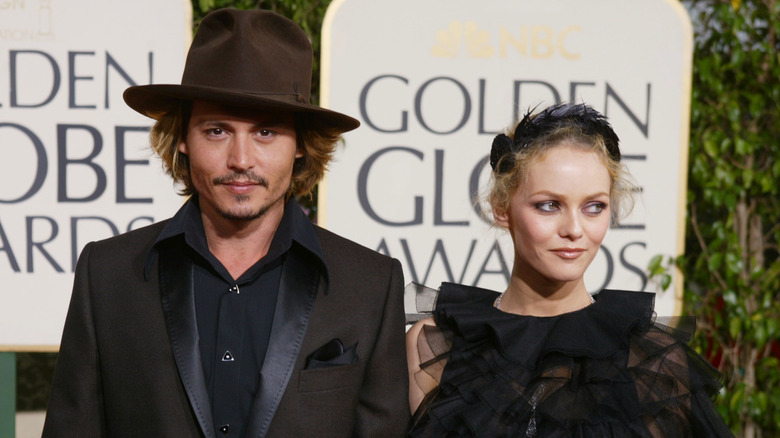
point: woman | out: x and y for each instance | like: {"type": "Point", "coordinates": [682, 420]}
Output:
{"type": "Point", "coordinates": [544, 358]}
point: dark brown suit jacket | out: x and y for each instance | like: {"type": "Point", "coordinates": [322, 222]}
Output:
{"type": "Point", "coordinates": [129, 363]}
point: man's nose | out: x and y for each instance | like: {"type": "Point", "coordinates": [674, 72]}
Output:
{"type": "Point", "coordinates": [239, 154]}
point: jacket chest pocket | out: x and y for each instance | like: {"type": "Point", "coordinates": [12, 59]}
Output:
{"type": "Point", "coordinates": [342, 377]}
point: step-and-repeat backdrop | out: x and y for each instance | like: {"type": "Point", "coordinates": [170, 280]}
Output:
{"type": "Point", "coordinates": [74, 159]}
{"type": "Point", "coordinates": [433, 82]}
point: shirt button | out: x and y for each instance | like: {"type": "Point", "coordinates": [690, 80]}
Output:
{"type": "Point", "coordinates": [225, 428]}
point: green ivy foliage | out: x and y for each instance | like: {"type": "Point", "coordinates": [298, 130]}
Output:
{"type": "Point", "coordinates": [731, 264]}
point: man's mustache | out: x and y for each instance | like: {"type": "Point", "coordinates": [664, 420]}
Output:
{"type": "Point", "coordinates": [247, 176]}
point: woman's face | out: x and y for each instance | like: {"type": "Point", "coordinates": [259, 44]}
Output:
{"type": "Point", "coordinates": [559, 216]}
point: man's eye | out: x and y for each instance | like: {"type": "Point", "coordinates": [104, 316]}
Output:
{"type": "Point", "coordinates": [214, 131]}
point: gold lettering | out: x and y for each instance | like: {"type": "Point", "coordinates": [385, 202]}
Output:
{"type": "Point", "coordinates": [541, 42]}
{"type": "Point", "coordinates": [562, 48]}
{"type": "Point", "coordinates": [505, 38]}
{"type": "Point", "coordinates": [12, 4]}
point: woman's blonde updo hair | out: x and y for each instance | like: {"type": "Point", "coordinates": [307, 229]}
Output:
{"type": "Point", "coordinates": [316, 139]}
{"type": "Point", "coordinates": [528, 142]}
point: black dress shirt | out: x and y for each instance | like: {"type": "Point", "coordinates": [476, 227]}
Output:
{"type": "Point", "coordinates": [234, 316]}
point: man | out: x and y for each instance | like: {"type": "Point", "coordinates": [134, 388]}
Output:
{"type": "Point", "coordinates": [236, 317]}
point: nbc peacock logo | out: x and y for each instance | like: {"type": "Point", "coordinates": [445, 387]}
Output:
{"type": "Point", "coordinates": [449, 41]}
{"type": "Point", "coordinates": [466, 39]}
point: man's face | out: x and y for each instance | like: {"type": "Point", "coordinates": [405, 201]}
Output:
{"type": "Point", "coordinates": [241, 160]}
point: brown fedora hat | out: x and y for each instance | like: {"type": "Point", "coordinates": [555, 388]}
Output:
{"type": "Point", "coordinates": [246, 58]}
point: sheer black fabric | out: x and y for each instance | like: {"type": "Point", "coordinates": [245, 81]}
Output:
{"type": "Point", "coordinates": [607, 370]}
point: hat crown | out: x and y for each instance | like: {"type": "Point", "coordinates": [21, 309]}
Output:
{"type": "Point", "coordinates": [244, 58]}
{"type": "Point", "coordinates": [254, 52]}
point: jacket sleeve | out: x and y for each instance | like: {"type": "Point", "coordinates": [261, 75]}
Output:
{"type": "Point", "coordinates": [383, 409]}
{"type": "Point", "coordinates": [76, 401]}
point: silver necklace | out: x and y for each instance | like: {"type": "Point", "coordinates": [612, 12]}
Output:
{"type": "Point", "coordinates": [497, 304]}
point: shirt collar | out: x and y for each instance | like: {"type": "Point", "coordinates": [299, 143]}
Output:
{"type": "Point", "coordinates": [294, 228]}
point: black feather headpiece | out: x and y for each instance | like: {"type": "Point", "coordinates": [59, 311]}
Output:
{"type": "Point", "coordinates": [531, 127]}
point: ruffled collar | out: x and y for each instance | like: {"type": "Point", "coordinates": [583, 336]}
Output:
{"type": "Point", "coordinates": [597, 331]}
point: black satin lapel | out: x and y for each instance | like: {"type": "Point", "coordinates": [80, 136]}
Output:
{"type": "Point", "coordinates": [178, 301]}
{"type": "Point", "coordinates": [294, 304]}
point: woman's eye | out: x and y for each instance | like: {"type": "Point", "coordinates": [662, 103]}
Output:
{"type": "Point", "coordinates": [595, 208]}
{"type": "Point", "coordinates": [547, 206]}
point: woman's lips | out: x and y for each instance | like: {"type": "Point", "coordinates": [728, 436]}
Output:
{"type": "Point", "coordinates": [568, 253]}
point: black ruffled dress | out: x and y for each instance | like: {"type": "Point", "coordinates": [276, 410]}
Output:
{"type": "Point", "coordinates": [607, 370]}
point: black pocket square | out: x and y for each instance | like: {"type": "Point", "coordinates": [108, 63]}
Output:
{"type": "Point", "coordinates": [332, 354]}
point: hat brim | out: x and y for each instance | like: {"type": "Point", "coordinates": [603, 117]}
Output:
{"type": "Point", "coordinates": [154, 100]}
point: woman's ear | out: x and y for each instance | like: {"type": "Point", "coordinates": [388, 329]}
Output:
{"type": "Point", "coordinates": [500, 217]}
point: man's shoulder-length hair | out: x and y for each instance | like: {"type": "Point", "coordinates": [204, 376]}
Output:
{"type": "Point", "coordinates": [315, 138]}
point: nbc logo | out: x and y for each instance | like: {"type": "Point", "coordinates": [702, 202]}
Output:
{"type": "Point", "coordinates": [539, 42]}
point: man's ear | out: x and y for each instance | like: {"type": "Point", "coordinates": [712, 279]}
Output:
{"type": "Point", "coordinates": [183, 147]}
{"type": "Point", "coordinates": [501, 217]}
